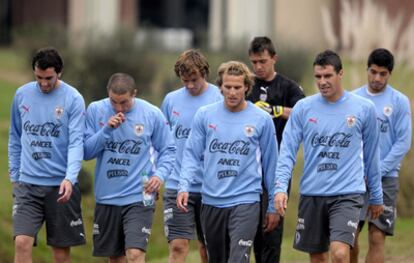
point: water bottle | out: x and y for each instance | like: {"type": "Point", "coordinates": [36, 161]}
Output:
{"type": "Point", "coordinates": [147, 198]}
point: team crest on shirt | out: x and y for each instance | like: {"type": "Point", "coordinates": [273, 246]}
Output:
{"type": "Point", "coordinates": [139, 129]}
{"type": "Point", "coordinates": [387, 111]}
{"type": "Point", "coordinates": [249, 130]}
{"type": "Point", "coordinates": [59, 112]}
{"type": "Point", "coordinates": [350, 121]}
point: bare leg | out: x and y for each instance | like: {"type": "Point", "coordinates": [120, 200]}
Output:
{"type": "Point", "coordinates": [203, 252]}
{"type": "Point", "coordinates": [178, 250]}
{"type": "Point", "coordinates": [135, 255]}
{"type": "Point", "coordinates": [23, 249]}
{"type": "Point", "coordinates": [340, 252]}
{"type": "Point", "coordinates": [355, 249]}
{"type": "Point", "coordinates": [61, 254]}
{"type": "Point", "coordinates": [120, 259]}
{"type": "Point", "coordinates": [319, 257]}
{"type": "Point", "coordinates": [376, 240]}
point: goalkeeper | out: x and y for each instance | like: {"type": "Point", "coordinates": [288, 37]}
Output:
{"type": "Point", "coordinates": [277, 95]}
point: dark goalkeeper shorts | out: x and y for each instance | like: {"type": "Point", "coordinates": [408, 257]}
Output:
{"type": "Point", "coordinates": [35, 204]}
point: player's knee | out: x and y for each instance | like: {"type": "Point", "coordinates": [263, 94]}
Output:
{"type": "Point", "coordinates": [179, 247]}
{"type": "Point", "coordinates": [61, 255]}
{"type": "Point", "coordinates": [23, 244]}
{"type": "Point", "coordinates": [376, 236]}
{"type": "Point", "coordinates": [135, 255]}
{"type": "Point", "coordinates": [340, 254]}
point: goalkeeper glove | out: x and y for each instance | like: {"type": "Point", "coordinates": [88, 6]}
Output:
{"type": "Point", "coordinates": [275, 111]}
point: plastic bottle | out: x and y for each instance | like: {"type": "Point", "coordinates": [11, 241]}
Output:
{"type": "Point", "coordinates": [147, 198]}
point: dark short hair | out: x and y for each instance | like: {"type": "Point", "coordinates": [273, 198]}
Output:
{"type": "Point", "coordinates": [381, 57]}
{"type": "Point", "coordinates": [328, 57]}
{"type": "Point", "coordinates": [48, 57]}
{"type": "Point", "coordinates": [191, 61]}
{"type": "Point", "coordinates": [260, 44]}
{"type": "Point", "coordinates": [121, 83]}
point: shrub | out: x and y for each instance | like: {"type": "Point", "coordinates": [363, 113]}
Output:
{"type": "Point", "coordinates": [405, 204]}
{"type": "Point", "coordinates": [88, 68]}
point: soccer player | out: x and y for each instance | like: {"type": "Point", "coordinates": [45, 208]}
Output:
{"type": "Point", "coordinates": [237, 144]}
{"type": "Point", "coordinates": [123, 133]}
{"type": "Point", "coordinates": [179, 107]}
{"type": "Point", "coordinates": [276, 94]}
{"type": "Point", "coordinates": [335, 126]}
{"type": "Point", "coordinates": [45, 156]}
{"type": "Point", "coordinates": [394, 124]}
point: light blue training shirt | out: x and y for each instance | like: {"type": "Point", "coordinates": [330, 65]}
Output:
{"type": "Point", "coordinates": [46, 135]}
{"type": "Point", "coordinates": [141, 145]}
{"type": "Point", "coordinates": [239, 150]}
{"type": "Point", "coordinates": [334, 136]}
{"type": "Point", "coordinates": [179, 107]}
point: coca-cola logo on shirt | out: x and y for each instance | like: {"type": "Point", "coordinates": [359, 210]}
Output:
{"type": "Point", "coordinates": [125, 147]}
{"type": "Point", "coordinates": [181, 132]}
{"type": "Point", "coordinates": [46, 129]}
{"type": "Point", "coordinates": [339, 139]}
{"type": "Point", "coordinates": [383, 124]}
{"type": "Point", "coordinates": [239, 147]}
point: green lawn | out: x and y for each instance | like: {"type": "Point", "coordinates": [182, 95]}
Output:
{"type": "Point", "coordinates": [7, 91]}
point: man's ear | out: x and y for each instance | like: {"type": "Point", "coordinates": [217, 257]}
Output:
{"type": "Point", "coordinates": [341, 73]}
{"type": "Point", "coordinates": [276, 58]}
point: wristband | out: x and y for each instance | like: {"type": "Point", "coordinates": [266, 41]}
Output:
{"type": "Point", "coordinates": [277, 111]}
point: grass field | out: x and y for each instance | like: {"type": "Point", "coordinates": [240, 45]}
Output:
{"type": "Point", "coordinates": [13, 74]}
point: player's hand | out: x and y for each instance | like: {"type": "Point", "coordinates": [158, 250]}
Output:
{"type": "Point", "coordinates": [271, 221]}
{"type": "Point", "coordinates": [375, 211]}
{"type": "Point", "coordinates": [182, 200]}
{"type": "Point", "coordinates": [281, 203]}
{"type": "Point", "coordinates": [153, 185]}
{"type": "Point", "coordinates": [65, 191]}
{"type": "Point", "coordinates": [275, 111]}
{"type": "Point", "coordinates": [116, 120]}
